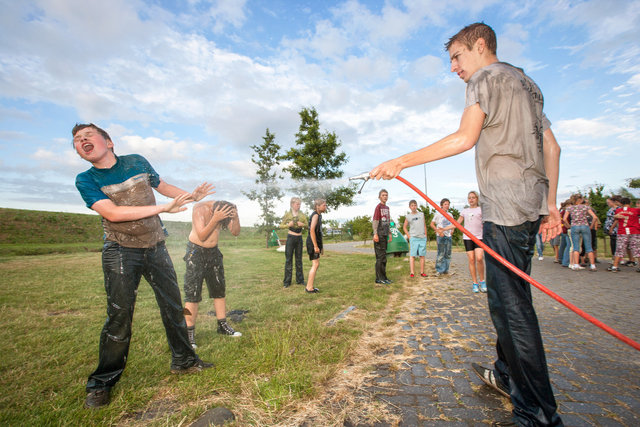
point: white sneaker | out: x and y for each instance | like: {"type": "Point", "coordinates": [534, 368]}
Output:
{"type": "Point", "coordinates": [540, 258]}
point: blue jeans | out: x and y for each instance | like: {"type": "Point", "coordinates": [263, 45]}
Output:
{"type": "Point", "coordinates": [123, 268]}
{"type": "Point", "coordinates": [539, 244]}
{"type": "Point", "coordinates": [521, 359]}
{"type": "Point", "coordinates": [443, 258]}
{"type": "Point", "coordinates": [565, 249]}
{"type": "Point", "coordinates": [585, 232]}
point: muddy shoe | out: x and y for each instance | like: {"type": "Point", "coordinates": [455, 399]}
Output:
{"type": "Point", "coordinates": [489, 378]}
{"type": "Point", "coordinates": [97, 398]}
{"type": "Point", "coordinates": [198, 366]}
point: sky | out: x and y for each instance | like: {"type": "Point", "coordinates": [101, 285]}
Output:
{"type": "Point", "coordinates": [192, 85]}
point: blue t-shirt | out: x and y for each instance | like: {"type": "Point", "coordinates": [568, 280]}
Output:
{"type": "Point", "coordinates": [130, 182]}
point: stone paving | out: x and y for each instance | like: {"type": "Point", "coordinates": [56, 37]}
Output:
{"type": "Point", "coordinates": [596, 377]}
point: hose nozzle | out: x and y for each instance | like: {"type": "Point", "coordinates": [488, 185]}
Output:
{"type": "Point", "coordinates": [364, 177]}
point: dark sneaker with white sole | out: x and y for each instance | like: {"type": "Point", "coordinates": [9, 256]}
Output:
{"type": "Point", "coordinates": [489, 378]}
{"type": "Point", "coordinates": [97, 398]}
{"type": "Point", "coordinates": [225, 329]}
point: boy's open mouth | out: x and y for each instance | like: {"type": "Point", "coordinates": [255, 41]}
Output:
{"type": "Point", "coordinates": [87, 147]}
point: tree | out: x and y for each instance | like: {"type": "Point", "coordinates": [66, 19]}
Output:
{"type": "Point", "coordinates": [598, 202]}
{"type": "Point", "coordinates": [633, 182]}
{"type": "Point", "coordinates": [316, 161]}
{"type": "Point", "coordinates": [266, 157]}
{"type": "Point", "coordinates": [361, 227]}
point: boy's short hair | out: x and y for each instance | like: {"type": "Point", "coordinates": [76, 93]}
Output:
{"type": "Point", "coordinates": [223, 204]}
{"type": "Point", "coordinates": [444, 200]}
{"type": "Point", "coordinates": [79, 126]}
{"type": "Point", "coordinates": [471, 33]}
{"type": "Point", "coordinates": [412, 201]}
{"type": "Point", "coordinates": [294, 200]}
{"type": "Point", "coordinates": [382, 191]}
{"type": "Point", "coordinates": [615, 198]}
{"type": "Point", "coordinates": [625, 200]}
{"type": "Point", "coordinates": [318, 202]}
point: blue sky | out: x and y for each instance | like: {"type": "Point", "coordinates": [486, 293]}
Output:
{"type": "Point", "coordinates": [192, 85]}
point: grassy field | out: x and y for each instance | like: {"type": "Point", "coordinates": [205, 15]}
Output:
{"type": "Point", "coordinates": [53, 307]}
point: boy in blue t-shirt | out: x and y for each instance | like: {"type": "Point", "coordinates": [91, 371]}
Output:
{"type": "Point", "coordinates": [120, 189]}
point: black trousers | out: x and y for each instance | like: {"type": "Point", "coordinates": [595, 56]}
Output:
{"type": "Point", "coordinates": [521, 359]}
{"type": "Point", "coordinates": [380, 248]}
{"type": "Point", "coordinates": [293, 247]}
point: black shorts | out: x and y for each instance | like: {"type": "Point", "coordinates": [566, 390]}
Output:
{"type": "Point", "coordinates": [203, 264]}
{"type": "Point", "coordinates": [470, 245]}
{"type": "Point", "coordinates": [312, 254]}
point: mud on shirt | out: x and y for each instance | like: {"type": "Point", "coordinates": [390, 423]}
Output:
{"type": "Point", "coordinates": [129, 182]}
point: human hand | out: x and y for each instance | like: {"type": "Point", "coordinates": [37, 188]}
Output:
{"type": "Point", "coordinates": [551, 225]}
{"type": "Point", "coordinates": [177, 205]}
{"type": "Point", "coordinates": [203, 190]}
{"type": "Point", "coordinates": [316, 249]}
{"type": "Point", "coordinates": [376, 238]}
{"type": "Point", "coordinates": [387, 170]}
{"type": "Point", "coordinates": [223, 212]}
{"type": "Point", "coordinates": [301, 224]}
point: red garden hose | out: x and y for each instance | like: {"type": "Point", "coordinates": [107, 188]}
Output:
{"type": "Point", "coordinates": [522, 274]}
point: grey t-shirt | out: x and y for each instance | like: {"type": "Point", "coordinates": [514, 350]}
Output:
{"type": "Point", "coordinates": [509, 158]}
{"type": "Point", "coordinates": [416, 224]}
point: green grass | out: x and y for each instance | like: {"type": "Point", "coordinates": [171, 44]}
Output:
{"type": "Point", "coordinates": [52, 308]}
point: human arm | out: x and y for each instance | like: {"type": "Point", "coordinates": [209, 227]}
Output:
{"type": "Point", "coordinates": [565, 219]}
{"type": "Point", "coordinates": [596, 222]}
{"type": "Point", "coordinates": [551, 225]}
{"type": "Point", "coordinates": [287, 220]}
{"type": "Point", "coordinates": [200, 192]}
{"type": "Point", "coordinates": [405, 228]}
{"type": "Point", "coordinates": [114, 213]}
{"type": "Point", "coordinates": [234, 226]}
{"type": "Point", "coordinates": [458, 142]}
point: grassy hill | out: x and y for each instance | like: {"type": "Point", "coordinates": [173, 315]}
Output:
{"type": "Point", "coordinates": [27, 232]}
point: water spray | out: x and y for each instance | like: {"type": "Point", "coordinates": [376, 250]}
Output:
{"type": "Point", "coordinates": [515, 269]}
{"type": "Point", "coordinates": [364, 177]}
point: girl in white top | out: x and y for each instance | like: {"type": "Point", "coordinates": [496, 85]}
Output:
{"type": "Point", "coordinates": [472, 219]}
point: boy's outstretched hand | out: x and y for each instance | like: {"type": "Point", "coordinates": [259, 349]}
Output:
{"type": "Point", "coordinates": [203, 190]}
{"type": "Point", "coordinates": [551, 225]}
{"type": "Point", "coordinates": [177, 204]}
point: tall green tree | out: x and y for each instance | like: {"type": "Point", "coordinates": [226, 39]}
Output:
{"type": "Point", "coordinates": [361, 227]}
{"type": "Point", "coordinates": [316, 161]}
{"type": "Point", "coordinates": [266, 157]}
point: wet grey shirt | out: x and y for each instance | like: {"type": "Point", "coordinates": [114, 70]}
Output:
{"type": "Point", "coordinates": [416, 224]}
{"type": "Point", "coordinates": [509, 159]}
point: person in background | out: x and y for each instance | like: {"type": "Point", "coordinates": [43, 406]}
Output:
{"type": "Point", "coordinates": [314, 242]}
{"type": "Point", "coordinates": [381, 237]}
{"type": "Point", "coordinates": [580, 228]}
{"type": "Point", "coordinates": [471, 218]}
{"type": "Point", "coordinates": [627, 220]}
{"type": "Point", "coordinates": [444, 229]}
{"type": "Point", "coordinates": [294, 220]}
{"type": "Point", "coordinates": [416, 231]}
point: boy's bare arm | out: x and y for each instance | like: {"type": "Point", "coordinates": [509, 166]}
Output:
{"type": "Point", "coordinates": [114, 213]}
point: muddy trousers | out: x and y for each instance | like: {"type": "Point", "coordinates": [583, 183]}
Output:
{"type": "Point", "coordinates": [521, 359]}
{"type": "Point", "coordinates": [380, 248]}
{"type": "Point", "coordinates": [123, 269]}
{"type": "Point", "coordinates": [293, 247]}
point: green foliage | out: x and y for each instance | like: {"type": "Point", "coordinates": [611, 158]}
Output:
{"type": "Point", "coordinates": [598, 202]}
{"type": "Point", "coordinates": [266, 157]}
{"type": "Point", "coordinates": [633, 182]}
{"type": "Point", "coordinates": [361, 227]}
{"type": "Point", "coordinates": [316, 159]}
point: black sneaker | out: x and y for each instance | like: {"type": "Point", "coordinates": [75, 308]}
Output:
{"type": "Point", "coordinates": [97, 398]}
{"type": "Point", "coordinates": [225, 329]}
{"type": "Point", "coordinates": [489, 378]}
{"type": "Point", "coordinates": [387, 281]}
{"type": "Point", "coordinates": [197, 366]}
{"type": "Point", "coordinates": [313, 291]}
{"type": "Point", "coordinates": [381, 282]}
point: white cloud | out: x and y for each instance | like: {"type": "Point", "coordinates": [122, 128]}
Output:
{"type": "Point", "coordinates": [592, 128]}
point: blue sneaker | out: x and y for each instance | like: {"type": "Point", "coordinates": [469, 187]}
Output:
{"type": "Point", "coordinates": [483, 286]}
{"type": "Point", "coordinates": [476, 289]}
